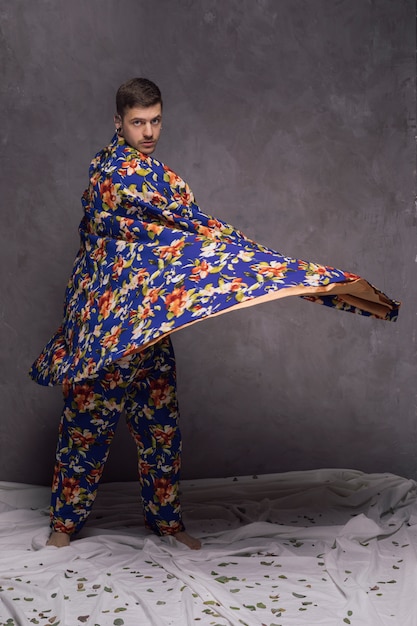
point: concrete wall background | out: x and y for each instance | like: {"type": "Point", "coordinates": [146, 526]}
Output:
{"type": "Point", "coordinates": [294, 121]}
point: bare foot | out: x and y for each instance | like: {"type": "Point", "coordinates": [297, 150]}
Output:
{"type": "Point", "coordinates": [59, 540]}
{"type": "Point", "coordinates": [188, 540]}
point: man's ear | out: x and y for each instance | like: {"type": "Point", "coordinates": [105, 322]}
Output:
{"type": "Point", "coordinates": [118, 123]}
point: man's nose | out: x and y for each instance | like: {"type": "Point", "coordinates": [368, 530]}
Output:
{"type": "Point", "coordinates": [148, 131]}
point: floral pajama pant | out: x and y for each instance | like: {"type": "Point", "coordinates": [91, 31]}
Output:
{"type": "Point", "coordinates": [142, 385]}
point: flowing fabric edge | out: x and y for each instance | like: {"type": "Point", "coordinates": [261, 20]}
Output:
{"type": "Point", "coordinates": [357, 294]}
{"type": "Point", "coordinates": [376, 304]}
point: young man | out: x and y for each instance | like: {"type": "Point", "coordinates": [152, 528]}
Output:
{"type": "Point", "coordinates": [142, 385]}
{"type": "Point", "coordinates": [152, 262]}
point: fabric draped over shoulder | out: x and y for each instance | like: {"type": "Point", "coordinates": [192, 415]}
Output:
{"type": "Point", "coordinates": [151, 262]}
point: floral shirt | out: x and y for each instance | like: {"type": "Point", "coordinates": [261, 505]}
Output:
{"type": "Point", "coordinates": [151, 262]}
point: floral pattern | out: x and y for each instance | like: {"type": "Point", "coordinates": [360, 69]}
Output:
{"type": "Point", "coordinates": [151, 262]}
{"type": "Point", "coordinates": [144, 387]}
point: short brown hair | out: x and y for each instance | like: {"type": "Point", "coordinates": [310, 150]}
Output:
{"type": "Point", "coordinates": [137, 92]}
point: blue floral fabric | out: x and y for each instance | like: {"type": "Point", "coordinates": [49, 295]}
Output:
{"type": "Point", "coordinates": [151, 262]}
{"type": "Point", "coordinates": [143, 387]}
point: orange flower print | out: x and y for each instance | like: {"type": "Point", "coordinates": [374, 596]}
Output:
{"type": "Point", "coordinates": [117, 267]}
{"type": "Point", "coordinates": [64, 526]}
{"type": "Point", "coordinates": [350, 276]}
{"type": "Point", "coordinates": [187, 197]}
{"type": "Point", "coordinates": [90, 366]}
{"type": "Point", "coordinates": [236, 284]}
{"type": "Point", "coordinates": [270, 270]}
{"type": "Point", "coordinates": [83, 440]}
{"type": "Point", "coordinates": [314, 268]}
{"type": "Point", "coordinates": [201, 270]}
{"type": "Point", "coordinates": [131, 349]}
{"type": "Point", "coordinates": [109, 194]}
{"type": "Point", "coordinates": [105, 303]}
{"type": "Point", "coordinates": [157, 199]}
{"type": "Point", "coordinates": [143, 313]}
{"type": "Point", "coordinates": [145, 467]}
{"type": "Point", "coordinates": [129, 167]}
{"type": "Point", "coordinates": [178, 200]}
{"type": "Point", "coordinates": [171, 177]}
{"type": "Point", "coordinates": [95, 178]}
{"type": "Point", "coordinates": [83, 397]}
{"type": "Point", "coordinates": [206, 233]}
{"type": "Point", "coordinates": [70, 490]}
{"type": "Point", "coordinates": [156, 229]}
{"type": "Point", "coordinates": [135, 279]}
{"type": "Point", "coordinates": [171, 252]}
{"type": "Point", "coordinates": [177, 301]}
{"type": "Point", "coordinates": [57, 473]}
{"type": "Point", "coordinates": [111, 338]}
{"type": "Point", "coordinates": [160, 392]}
{"type": "Point", "coordinates": [112, 379]}
{"type": "Point", "coordinates": [86, 313]}
{"type": "Point", "coordinates": [146, 312]}
{"type": "Point", "coordinates": [94, 475]}
{"type": "Point", "coordinates": [99, 253]}
{"type": "Point", "coordinates": [152, 295]}
{"type": "Point", "coordinates": [125, 223]}
{"type": "Point", "coordinates": [169, 528]}
{"type": "Point", "coordinates": [164, 435]}
{"type": "Point", "coordinates": [164, 491]}
{"type": "Point", "coordinates": [58, 355]}
{"type": "Point", "coordinates": [66, 387]}
{"type": "Point", "coordinates": [321, 270]}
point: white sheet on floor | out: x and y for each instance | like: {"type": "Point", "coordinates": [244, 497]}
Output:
{"type": "Point", "coordinates": [327, 547]}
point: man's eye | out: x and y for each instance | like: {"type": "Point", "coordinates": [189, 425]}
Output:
{"type": "Point", "coordinates": [137, 123]}
{"type": "Point", "coordinates": [156, 121]}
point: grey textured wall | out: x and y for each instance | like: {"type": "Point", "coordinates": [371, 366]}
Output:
{"type": "Point", "coordinates": [292, 119]}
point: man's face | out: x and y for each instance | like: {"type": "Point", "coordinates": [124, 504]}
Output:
{"type": "Point", "coordinates": [141, 127]}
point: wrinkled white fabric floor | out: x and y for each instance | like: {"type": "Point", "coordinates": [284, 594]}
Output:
{"type": "Point", "coordinates": [324, 547]}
